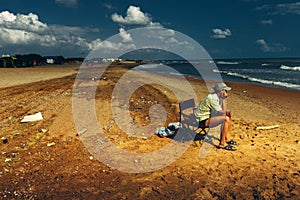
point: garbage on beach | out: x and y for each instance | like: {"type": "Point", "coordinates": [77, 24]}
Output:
{"type": "Point", "coordinates": [174, 126]}
{"type": "Point", "coordinates": [82, 131]}
{"type": "Point", "coordinates": [164, 132]}
{"type": "Point", "coordinates": [31, 118]}
{"type": "Point", "coordinates": [50, 144]}
{"type": "Point", "coordinates": [266, 127]}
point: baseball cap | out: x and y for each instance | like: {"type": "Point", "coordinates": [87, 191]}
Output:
{"type": "Point", "coordinates": [221, 86]}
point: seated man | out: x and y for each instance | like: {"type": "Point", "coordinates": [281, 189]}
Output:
{"type": "Point", "coordinates": [212, 112]}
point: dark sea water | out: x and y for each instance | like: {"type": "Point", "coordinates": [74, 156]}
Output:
{"type": "Point", "coordinates": [279, 73]}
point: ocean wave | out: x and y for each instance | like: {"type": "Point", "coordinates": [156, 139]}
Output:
{"type": "Point", "coordinates": [264, 81]}
{"type": "Point", "coordinates": [175, 62]}
{"type": "Point", "coordinates": [148, 66]}
{"type": "Point", "coordinates": [178, 74]}
{"type": "Point", "coordinates": [216, 71]}
{"type": "Point", "coordinates": [227, 63]}
{"type": "Point", "coordinates": [295, 68]}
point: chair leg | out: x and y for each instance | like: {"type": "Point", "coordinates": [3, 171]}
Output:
{"type": "Point", "coordinates": [201, 134]}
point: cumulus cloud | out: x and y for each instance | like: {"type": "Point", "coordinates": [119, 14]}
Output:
{"type": "Point", "coordinates": [125, 36]}
{"type": "Point", "coordinates": [26, 33]}
{"type": "Point", "coordinates": [67, 3]}
{"type": "Point", "coordinates": [28, 30]}
{"type": "Point", "coordinates": [275, 47]}
{"type": "Point", "coordinates": [28, 22]}
{"type": "Point", "coordinates": [134, 16]}
{"type": "Point", "coordinates": [221, 34]}
{"type": "Point", "coordinates": [167, 38]}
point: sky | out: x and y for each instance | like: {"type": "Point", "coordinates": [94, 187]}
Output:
{"type": "Point", "coordinates": [224, 28]}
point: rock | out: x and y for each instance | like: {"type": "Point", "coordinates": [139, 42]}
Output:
{"type": "Point", "coordinates": [4, 140]}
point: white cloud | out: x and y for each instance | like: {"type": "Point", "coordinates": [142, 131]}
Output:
{"type": "Point", "coordinates": [267, 22]}
{"type": "Point", "coordinates": [71, 30]}
{"type": "Point", "coordinates": [23, 29]}
{"type": "Point", "coordinates": [261, 42]}
{"type": "Point", "coordinates": [275, 47]}
{"type": "Point", "coordinates": [221, 34]}
{"type": "Point", "coordinates": [289, 8]}
{"type": "Point", "coordinates": [281, 9]}
{"type": "Point", "coordinates": [28, 22]}
{"type": "Point", "coordinates": [67, 3]}
{"type": "Point", "coordinates": [264, 7]}
{"type": "Point", "coordinates": [29, 32]}
{"type": "Point", "coordinates": [155, 25]}
{"type": "Point", "coordinates": [125, 36]}
{"type": "Point", "coordinates": [6, 16]}
{"type": "Point", "coordinates": [134, 17]}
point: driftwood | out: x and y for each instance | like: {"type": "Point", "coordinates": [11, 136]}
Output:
{"type": "Point", "coordinates": [266, 127]}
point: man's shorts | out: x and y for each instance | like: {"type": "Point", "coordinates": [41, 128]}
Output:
{"type": "Point", "coordinates": [202, 123]}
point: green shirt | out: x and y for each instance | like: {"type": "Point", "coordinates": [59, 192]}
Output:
{"type": "Point", "coordinates": [209, 106]}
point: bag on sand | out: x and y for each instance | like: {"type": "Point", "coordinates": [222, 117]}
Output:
{"type": "Point", "coordinates": [164, 132]}
{"type": "Point", "coordinates": [174, 126]}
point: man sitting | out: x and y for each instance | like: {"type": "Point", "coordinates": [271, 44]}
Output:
{"type": "Point", "coordinates": [212, 112]}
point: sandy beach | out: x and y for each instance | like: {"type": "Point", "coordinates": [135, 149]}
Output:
{"type": "Point", "coordinates": [47, 159]}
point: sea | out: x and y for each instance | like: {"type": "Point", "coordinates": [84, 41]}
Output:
{"type": "Point", "coordinates": [274, 73]}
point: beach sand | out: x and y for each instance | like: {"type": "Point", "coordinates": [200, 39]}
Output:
{"type": "Point", "coordinates": [47, 159]}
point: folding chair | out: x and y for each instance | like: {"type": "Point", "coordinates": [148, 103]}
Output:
{"type": "Point", "coordinates": [188, 119]}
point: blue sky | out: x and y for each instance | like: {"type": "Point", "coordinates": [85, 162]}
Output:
{"type": "Point", "coordinates": [224, 28]}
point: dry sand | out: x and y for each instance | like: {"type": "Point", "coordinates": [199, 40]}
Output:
{"type": "Point", "coordinates": [265, 166]}
{"type": "Point", "coordinates": [16, 76]}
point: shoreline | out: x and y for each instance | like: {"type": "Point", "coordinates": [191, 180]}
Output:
{"type": "Point", "coordinates": [37, 74]}
{"type": "Point", "coordinates": [285, 99]}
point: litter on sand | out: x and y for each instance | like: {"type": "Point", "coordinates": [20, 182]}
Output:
{"type": "Point", "coordinates": [31, 118]}
{"type": "Point", "coordinates": [266, 127]}
{"type": "Point", "coordinates": [169, 131]}
{"type": "Point", "coordinates": [164, 132]}
{"type": "Point", "coordinates": [174, 126]}
{"type": "Point", "coordinates": [50, 144]}
{"type": "Point", "coordinates": [82, 131]}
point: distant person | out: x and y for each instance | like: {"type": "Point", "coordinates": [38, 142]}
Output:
{"type": "Point", "coordinates": [212, 112]}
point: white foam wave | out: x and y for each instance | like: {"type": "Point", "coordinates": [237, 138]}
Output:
{"type": "Point", "coordinates": [295, 68]}
{"type": "Point", "coordinates": [258, 80]}
{"type": "Point", "coordinates": [148, 66]}
{"type": "Point", "coordinates": [178, 74]}
{"type": "Point", "coordinates": [216, 71]}
{"type": "Point", "coordinates": [227, 63]}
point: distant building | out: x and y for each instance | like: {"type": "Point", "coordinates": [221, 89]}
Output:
{"type": "Point", "coordinates": [55, 59]}
{"type": "Point", "coordinates": [50, 61]}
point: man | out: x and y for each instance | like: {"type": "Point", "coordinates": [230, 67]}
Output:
{"type": "Point", "coordinates": [212, 112]}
